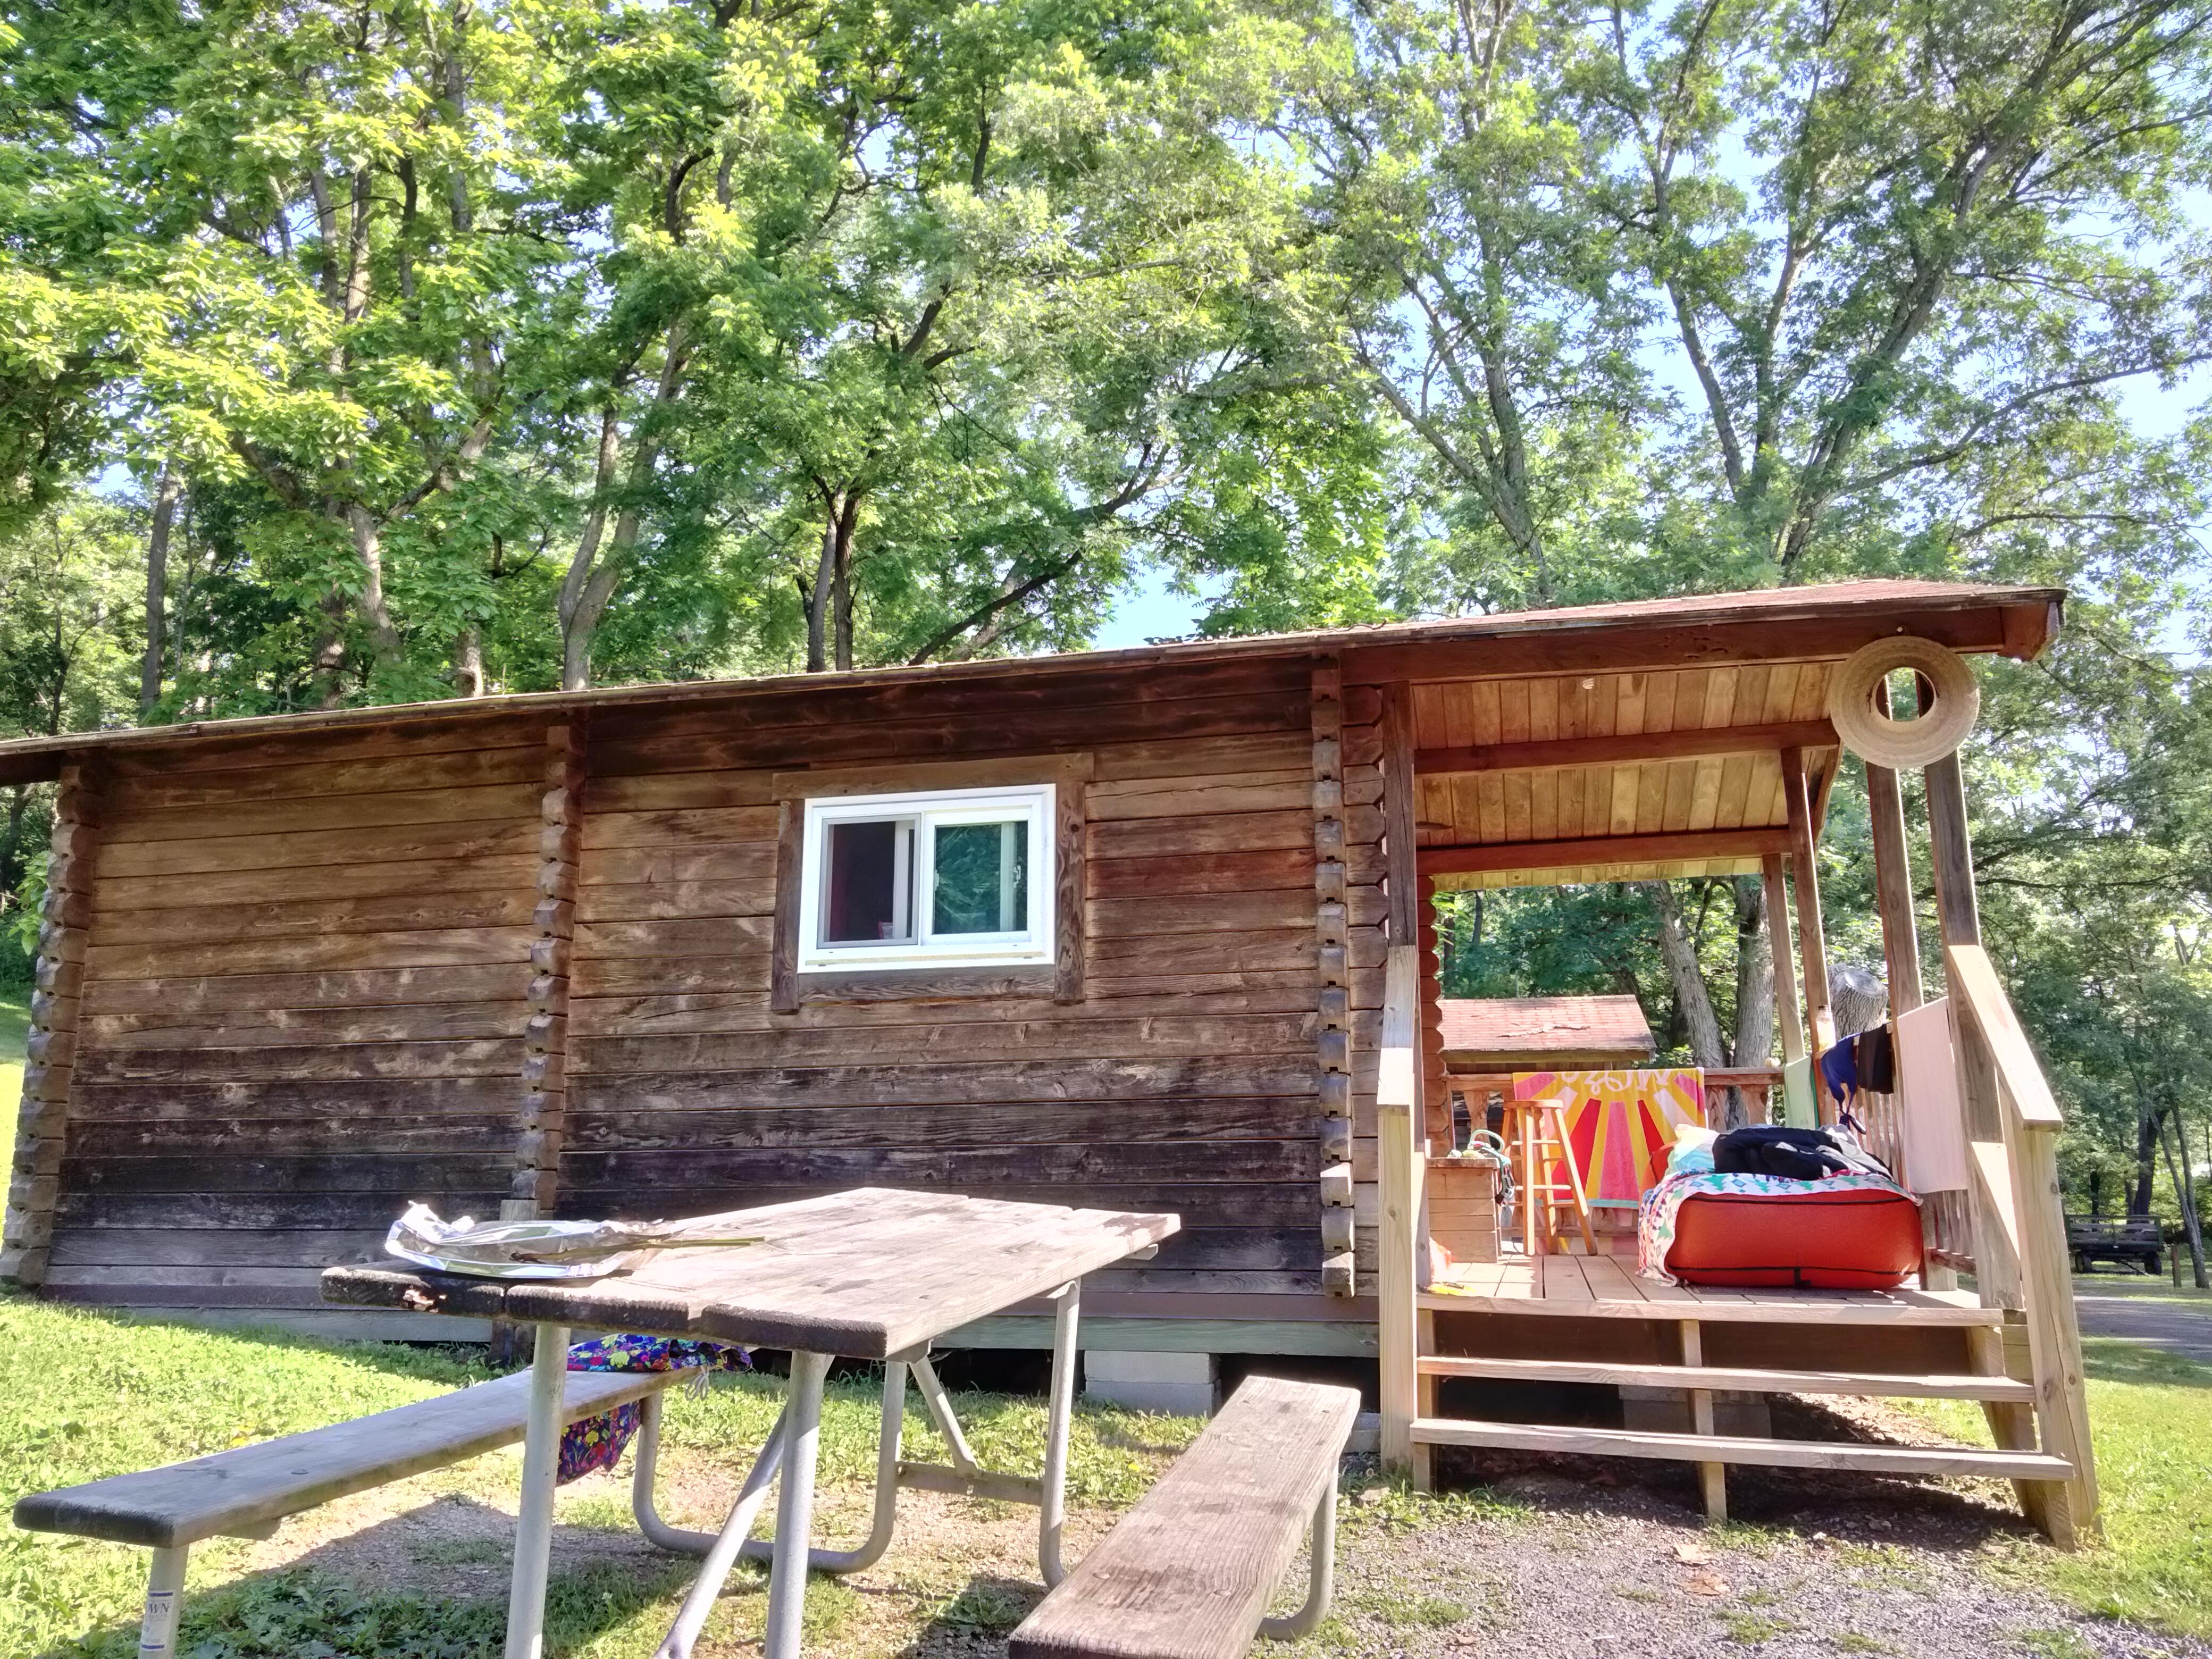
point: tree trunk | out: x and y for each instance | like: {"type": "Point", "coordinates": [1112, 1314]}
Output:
{"type": "Point", "coordinates": [1754, 974]}
{"type": "Point", "coordinates": [2185, 1194]}
{"type": "Point", "coordinates": [2146, 1161]}
{"type": "Point", "coordinates": [368, 547]}
{"type": "Point", "coordinates": [1754, 992]}
{"type": "Point", "coordinates": [326, 674]}
{"type": "Point", "coordinates": [822, 594]}
{"type": "Point", "coordinates": [166, 487]}
{"type": "Point", "coordinates": [841, 597]}
{"type": "Point", "coordinates": [590, 582]}
{"type": "Point", "coordinates": [1692, 1000]}
{"type": "Point", "coordinates": [468, 662]}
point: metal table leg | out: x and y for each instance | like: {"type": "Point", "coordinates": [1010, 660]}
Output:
{"type": "Point", "coordinates": [1067, 1305]}
{"type": "Point", "coordinates": [541, 1463]}
{"type": "Point", "coordinates": [795, 1507]}
{"type": "Point", "coordinates": [722, 1549]}
{"type": "Point", "coordinates": [885, 1518]}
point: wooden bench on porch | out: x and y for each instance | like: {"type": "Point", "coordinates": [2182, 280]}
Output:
{"type": "Point", "coordinates": [1188, 1572]}
{"type": "Point", "coordinates": [244, 1492]}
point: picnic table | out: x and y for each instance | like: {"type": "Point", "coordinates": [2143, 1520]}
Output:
{"type": "Point", "coordinates": [871, 1273]}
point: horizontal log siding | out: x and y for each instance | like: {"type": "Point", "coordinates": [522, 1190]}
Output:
{"type": "Point", "coordinates": [308, 964]}
{"type": "Point", "coordinates": [1183, 1079]}
{"type": "Point", "coordinates": [304, 1007]}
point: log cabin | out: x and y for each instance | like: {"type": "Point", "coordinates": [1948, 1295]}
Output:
{"type": "Point", "coordinates": [1147, 928]}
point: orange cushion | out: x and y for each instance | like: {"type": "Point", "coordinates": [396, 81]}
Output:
{"type": "Point", "coordinates": [1836, 1239]}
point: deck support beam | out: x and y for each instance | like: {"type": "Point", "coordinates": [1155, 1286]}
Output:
{"type": "Point", "coordinates": [1712, 1478]}
{"type": "Point", "coordinates": [1785, 970]}
{"type": "Point", "coordinates": [1812, 941]}
{"type": "Point", "coordinates": [1692, 743]}
{"type": "Point", "coordinates": [1493, 857]}
{"type": "Point", "coordinates": [1893, 884]}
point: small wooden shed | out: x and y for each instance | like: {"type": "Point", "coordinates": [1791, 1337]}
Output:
{"type": "Point", "coordinates": [1485, 1035]}
{"type": "Point", "coordinates": [1105, 927]}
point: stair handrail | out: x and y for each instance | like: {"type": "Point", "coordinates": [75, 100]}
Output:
{"type": "Point", "coordinates": [2004, 1089]}
{"type": "Point", "coordinates": [1399, 1177]}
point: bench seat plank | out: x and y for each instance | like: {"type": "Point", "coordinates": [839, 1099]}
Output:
{"type": "Point", "coordinates": [249, 1486]}
{"type": "Point", "coordinates": [1188, 1574]}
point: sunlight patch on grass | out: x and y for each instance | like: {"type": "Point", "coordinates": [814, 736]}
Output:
{"type": "Point", "coordinates": [2150, 1417]}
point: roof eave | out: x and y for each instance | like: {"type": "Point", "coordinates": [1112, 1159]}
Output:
{"type": "Point", "coordinates": [1799, 622]}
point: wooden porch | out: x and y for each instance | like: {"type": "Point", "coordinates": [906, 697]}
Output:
{"type": "Point", "coordinates": [1605, 777]}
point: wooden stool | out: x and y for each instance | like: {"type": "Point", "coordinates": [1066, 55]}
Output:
{"type": "Point", "coordinates": [1537, 1131]}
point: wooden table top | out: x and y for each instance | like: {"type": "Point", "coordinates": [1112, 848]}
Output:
{"type": "Point", "coordinates": [863, 1274]}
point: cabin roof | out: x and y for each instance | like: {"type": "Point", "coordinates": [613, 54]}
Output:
{"type": "Point", "coordinates": [1481, 1031]}
{"type": "Point", "coordinates": [1817, 624]}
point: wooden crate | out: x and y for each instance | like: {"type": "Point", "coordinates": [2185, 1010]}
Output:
{"type": "Point", "coordinates": [1462, 1207]}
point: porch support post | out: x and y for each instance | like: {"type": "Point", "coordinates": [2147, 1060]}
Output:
{"type": "Point", "coordinates": [1811, 940]}
{"type": "Point", "coordinates": [1901, 940]}
{"type": "Point", "coordinates": [1785, 971]}
{"type": "Point", "coordinates": [1893, 884]}
{"type": "Point", "coordinates": [1397, 1101]}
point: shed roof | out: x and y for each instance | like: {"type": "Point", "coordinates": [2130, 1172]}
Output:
{"type": "Point", "coordinates": [1822, 623]}
{"type": "Point", "coordinates": [1544, 1031]}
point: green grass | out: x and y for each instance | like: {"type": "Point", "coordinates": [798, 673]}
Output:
{"type": "Point", "coordinates": [14, 1027]}
{"type": "Point", "coordinates": [85, 1393]}
{"type": "Point", "coordinates": [2150, 1417]}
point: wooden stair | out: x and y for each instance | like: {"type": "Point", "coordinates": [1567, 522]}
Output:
{"type": "Point", "coordinates": [1727, 1378]}
{"type": "Point", "coordinates": [1599, 1294]}
{"type": "Point", "coordinates": [1743, 1449]}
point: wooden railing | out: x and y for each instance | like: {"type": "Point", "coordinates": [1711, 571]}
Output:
{"type": "Point", "coordinates": [1758, 1087]}
{"type": "Point", "coordinates": [2019, 1230]}
{"type": "Point", "coordinates": [1398, 1174]}
{"type": "Point", "coordinates": [2020, 1247]}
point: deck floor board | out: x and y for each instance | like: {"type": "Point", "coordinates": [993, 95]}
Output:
{"type": "Point", "coordinates": [1603, 1287]}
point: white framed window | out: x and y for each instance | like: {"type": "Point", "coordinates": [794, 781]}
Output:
{"type": "Point", "coordinates": [952, 878]}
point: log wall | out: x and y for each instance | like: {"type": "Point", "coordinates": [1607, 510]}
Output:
{"type": "Point", "coordinates": [1183, 1078]}
{"type": "Point", "coordinates": [303, 1005]}
{"type": "Point", "coordinates": [507, 960]}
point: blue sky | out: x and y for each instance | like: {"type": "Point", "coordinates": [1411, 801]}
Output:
{"type": "Point", "coordinates": [1149, 611]}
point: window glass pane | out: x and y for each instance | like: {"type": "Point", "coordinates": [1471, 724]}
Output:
{"type": "Point", "coordinates": [864, 899]}
{"type": "Point", "coordinates": [982, 878]}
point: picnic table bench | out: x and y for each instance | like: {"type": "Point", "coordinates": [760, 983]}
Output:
{"type": "Point", "coordinates": [1188, 1573]}
{"type": "Point", "coordinates": [868, 1273]}
{"type": "Point", "coordinates": [245, 1491]}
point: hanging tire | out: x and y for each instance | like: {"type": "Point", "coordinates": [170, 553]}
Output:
{"type": "Point", "coordinates": [1902, 745]}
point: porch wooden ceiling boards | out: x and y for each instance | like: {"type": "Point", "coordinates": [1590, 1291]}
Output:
{"type": "Point", "coordinates": [1614, 775]}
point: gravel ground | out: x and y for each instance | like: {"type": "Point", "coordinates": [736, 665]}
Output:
{"type": "Point", "coordinates": [1521, 1558]}
{"type": "Point", "coordinates": [1600, 1567]}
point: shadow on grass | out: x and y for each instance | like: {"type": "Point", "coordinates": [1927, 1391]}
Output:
{"type": "Point", "coordinates": [2117, 1359]}
{"type": "Point", "coordinates": [316, 1606]}
{"type": "Point", "coordinates": [987, 1607]}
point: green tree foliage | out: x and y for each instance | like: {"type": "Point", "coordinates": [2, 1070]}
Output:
{"type": "Point", "coordinates": [354, 350]}
{"type": "Point", "coordinates": [897, 330]}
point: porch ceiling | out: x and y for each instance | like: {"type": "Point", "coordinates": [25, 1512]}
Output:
{"type": "Point", "coordinates": [1565, 763]}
